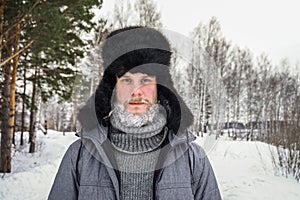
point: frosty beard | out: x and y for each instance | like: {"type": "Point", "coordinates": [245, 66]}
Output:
{"type": "Point", "coordinates": [134, 120]}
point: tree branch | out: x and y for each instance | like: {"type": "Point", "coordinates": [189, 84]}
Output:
{"type": "Point", "coordinates": [16, 54]}
{"type": "Point", "coordinates": [21, 18]}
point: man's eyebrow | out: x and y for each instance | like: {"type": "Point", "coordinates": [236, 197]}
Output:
{"type": "Point", "coordinates": [125, 76]}
{"type": "Point", "coordinates": [148, 76]}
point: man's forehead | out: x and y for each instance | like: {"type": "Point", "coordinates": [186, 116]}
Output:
{"type": "Point", "coordinates": [136, 75]}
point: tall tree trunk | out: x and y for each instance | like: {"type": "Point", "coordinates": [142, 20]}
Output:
{"type": "Point", "coordinates": [1, 25]}
{"type": "Point", "coordinates": [33, 115]}
{"type": "Point", "coordinates": [23, 110]}
{"type": "Point", "coordinates": [6, 129]}
{"type": "Point", "coordinates": [1, 38]}
{"type": "Point", "coordinates": [12, 102]}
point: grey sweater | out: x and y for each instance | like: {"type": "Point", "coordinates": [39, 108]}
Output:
{"type": "Point", "coordinates": [136, 160]}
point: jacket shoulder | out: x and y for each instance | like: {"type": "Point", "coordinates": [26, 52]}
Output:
{"type": "Point", "coordinates": [204, 182]}
{"type": "Point", "coordinates": [197, 150]}
{"type": "Point", "coordinates": [75, 145]}
{"type": "Point", "coordinates": [73, 151]}
{"type": "Point", "coordinates": [66, 175]}
{"type": "Point", "coordinates": [199, 162]}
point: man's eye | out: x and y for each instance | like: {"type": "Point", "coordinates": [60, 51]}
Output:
{"type": "Point", "coordinates": [147, 81]}
{"type": "Point", "coordinates": [126, 80]}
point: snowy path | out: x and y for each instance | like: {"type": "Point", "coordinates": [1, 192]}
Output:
{"type": "Point", "coordinates": [33, 175]}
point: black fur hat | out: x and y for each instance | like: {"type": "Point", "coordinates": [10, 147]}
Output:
{"type": "Point", "coordinates": [136, 49]}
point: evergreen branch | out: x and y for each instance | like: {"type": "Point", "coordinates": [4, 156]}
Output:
{"type": "Point", "coordinates": [20, 19]}
{"type": "Point", "coordinates": [16, 54]}
{"type": "Point", "coordinates": [8, 41]}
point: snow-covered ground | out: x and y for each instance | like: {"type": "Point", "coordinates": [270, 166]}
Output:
{"type": "Point", "coordinates": [244, 170]}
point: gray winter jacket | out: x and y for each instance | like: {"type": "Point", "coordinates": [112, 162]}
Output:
{"type": "Point", "coordinates": [186, 173]}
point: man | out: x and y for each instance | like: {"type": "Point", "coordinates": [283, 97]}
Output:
{"type": "Point", "coordinates": [134, 140]}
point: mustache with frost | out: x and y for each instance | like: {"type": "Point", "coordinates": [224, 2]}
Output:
{"type": "Point", "coordinates": [138, 100]}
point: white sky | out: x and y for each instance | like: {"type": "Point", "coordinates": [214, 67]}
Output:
{"type": "Point", "coordinates": [270, 26]}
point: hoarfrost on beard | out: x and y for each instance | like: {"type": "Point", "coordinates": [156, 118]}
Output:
{"type": "Point", "coordinates": [131, 120]}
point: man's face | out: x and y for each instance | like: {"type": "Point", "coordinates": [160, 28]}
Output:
{"type": "Point", "coordinates": [137, 92]}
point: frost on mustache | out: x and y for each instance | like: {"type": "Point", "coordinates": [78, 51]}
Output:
{"type": "Point", "coordinates": [132, 120]}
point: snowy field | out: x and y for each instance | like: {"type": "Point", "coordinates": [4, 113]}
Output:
{"type": "Point", "coordinates": [244, 170]}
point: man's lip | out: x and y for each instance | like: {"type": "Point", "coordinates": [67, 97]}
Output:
{"type": "Point", "coordinates": [136, 103]}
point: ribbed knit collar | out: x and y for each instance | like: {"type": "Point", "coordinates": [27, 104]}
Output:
{"type": "Point", "coordinates": [131, 144]}
{"type": "Point", "coordinates": [135, 140]}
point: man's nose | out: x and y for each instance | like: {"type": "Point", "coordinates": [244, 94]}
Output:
{"type": "Point", "coordinates": [137, 91]}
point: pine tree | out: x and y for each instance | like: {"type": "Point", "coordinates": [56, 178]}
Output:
{"type": "Point", "coordinates": [51, 35]}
